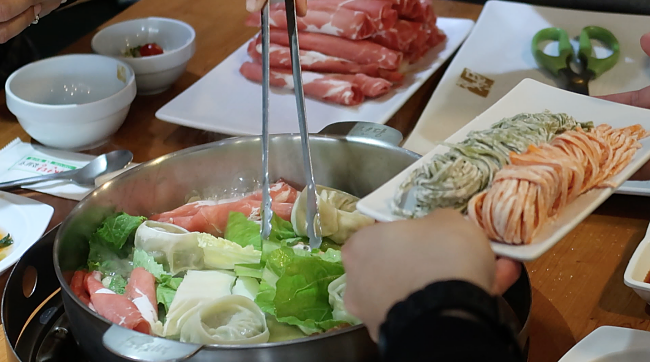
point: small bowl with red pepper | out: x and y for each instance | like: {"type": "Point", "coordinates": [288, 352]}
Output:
{"type": "Point", "coordinates": [158, 50]}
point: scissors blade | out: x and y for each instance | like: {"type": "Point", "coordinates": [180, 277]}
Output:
{"type": "Point", "coordinates": [266, 192]}
{"type": "Point", "coordinates": [577, 83]}
{"type": "Point", "coordinates": [313, 218]}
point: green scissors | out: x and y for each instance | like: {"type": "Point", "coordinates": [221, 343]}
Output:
{"type": "Point", "coordinates": [592, 67]}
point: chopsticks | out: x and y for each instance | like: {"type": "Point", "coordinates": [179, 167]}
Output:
{"type": "Point", "coordinates": [313, 217]}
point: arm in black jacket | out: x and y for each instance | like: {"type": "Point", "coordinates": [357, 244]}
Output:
{"type": "Point", "coordinates": [420, 329]}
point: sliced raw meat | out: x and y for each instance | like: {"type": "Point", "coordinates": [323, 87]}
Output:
{"type": "Point", "coordinates": [212, 216]}
{"type": "Point", "coordinates": [319, 86]}
{"type": "Point", "coordinates": [405, 36]}
{"type": "Point", "coordinates": [361, 51]}
{"type": "Point", "coordinates": [280, 57]}
{"type": "Point", "coordinates": [77, 286]}
{"type": "Point", "coordinates": [344, 23]}
{"type": "Point", "coordinates": [371, 87]}
{"type": "Point", "coordinates": [114, 307]}
{"type": "Point", "coordinates": [141, 290]}
{"type": "Point", "coordinates": [380, 13]}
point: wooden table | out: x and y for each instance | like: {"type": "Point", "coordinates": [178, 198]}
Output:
{"type": "Point", "coordinates": [577, 286]}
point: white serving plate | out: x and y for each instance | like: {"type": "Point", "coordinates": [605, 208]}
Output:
{"type": "Point", "coordinates": [26, 220]}
{"type": "Point", "coordinates": [499, 48]}
{"type": "Point", "coordinates": [531, 96]}
{"type": "Point", "coordinates": [638, 268]}
{"type": "Point", "coordinates": [611, 344]}
{"type": "Point", "coordinates": [226, 102]}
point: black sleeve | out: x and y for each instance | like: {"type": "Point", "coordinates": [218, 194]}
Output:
{"type": "Point", "coordinates": [450, 321]}
{"type": "Point", "coordinates": [449, 339]}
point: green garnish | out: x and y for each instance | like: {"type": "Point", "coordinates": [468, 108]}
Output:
{"type": "Point", "coordinates": [6, 241]}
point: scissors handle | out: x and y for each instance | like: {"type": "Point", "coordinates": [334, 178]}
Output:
{"type": "Point", "coordinates": [595, 65]}
{"type": "Point", "coordinates": [553, 63]}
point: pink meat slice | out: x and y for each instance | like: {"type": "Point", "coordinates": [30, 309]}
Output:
{"type": "Point", "coordinates": [77, 286]}
{"type": "Point", "coordinates": [315, 85]}
{"type": "Point", "coordinates": [380, 13]}
{"type": "Point", "coordinates": [405, 36]}
{"type": "Point", "coordinates": [114, 307]}
{"type": "Point", "coordinates": [371, 87]}
{"type": "Point", "coordinates": [212, 216]}
{"type": "Point", "coordinates": [280, 58]}
{"type": "Point", "coordinates": [141, 290]}
{"type": "Point", "coordinates": [360, 51]}
{"type": "Point", "coordinates": [342, 22]}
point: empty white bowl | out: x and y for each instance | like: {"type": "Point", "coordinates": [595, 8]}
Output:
{"type": "Point", "coordinates": [153, 74]}
{"type": "Point", "coordinates": [72, 101]}
{"type": "Point", "coordinates": [638, 268]}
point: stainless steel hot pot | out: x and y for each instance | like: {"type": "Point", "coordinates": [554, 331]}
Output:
{"type": "Point", "coordinates": [357, 162]}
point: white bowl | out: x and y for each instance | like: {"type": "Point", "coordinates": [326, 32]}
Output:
{"type": "Point", "coordinates": [153, 74]}
{"type": "Point", "coordinates": [638, 268]}
{"type": "Point", "coordinates": [72, 101]}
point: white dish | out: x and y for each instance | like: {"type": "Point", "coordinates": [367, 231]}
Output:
{"type": "Point", "coordinates": [499, 49]}
{"type": "Point", "coordinates": [611, 344]}
{"type": "Point", "coordinates": [72, 101]}
{"type": "Point", "coordinates": [531, 96]}
{"type": "Point", "coordinates": [157, 73]}
{"type": "Point", "coordinates": [638, 268]}
{"type": "Point", "coordinates": [224, 101]}
{"type": "Point", "coordinates": [25, 220]}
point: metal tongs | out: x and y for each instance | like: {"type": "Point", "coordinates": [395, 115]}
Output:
{"type": "Point", "coordinates": [313, 218]}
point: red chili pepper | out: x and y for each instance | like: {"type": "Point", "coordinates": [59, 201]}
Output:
{"type": "Point", "coordinates": [150, 49]}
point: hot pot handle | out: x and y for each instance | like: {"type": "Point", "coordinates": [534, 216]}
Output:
{"type": "Point", "coordinates": [364, 131]}
{"type": "Point", "coordinates": [136, 346]}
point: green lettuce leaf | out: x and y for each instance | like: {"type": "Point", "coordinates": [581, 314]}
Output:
{"type": "Point", "coordinates": [108, 261]}
{"type": "Point", "coordinates": [116, 229]}
{"type": "Point", "coordinates": [243, 231]}
{"type": "Point", "coordinates": [294, 288]}
{"type": "Point", "coordinates": [280, 229]}
{"type": "Point", "coordinates": [142, 259]}
{"type": "Point", "coordinates": [117, 284]}
{"type": "Point", "coordinates": [166, 291]}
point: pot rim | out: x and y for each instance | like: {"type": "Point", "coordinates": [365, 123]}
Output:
{"type": "Point", "coordinates": [75, 211]}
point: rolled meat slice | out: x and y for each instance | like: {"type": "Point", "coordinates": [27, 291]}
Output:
{"type": "Point", "coordinates": [319, 86]}
{"type": "Point", "coordinates": [141, 290]}
{"type": "Point", "coordinates": [280, 57]}
{"type": "Point", "coordinates": [405, 36]}
{"type": "Point", "coordinates": [211, 217]}
{"type": "Point", "coordinates": [371, 87]}
{"type": "Point", "coordinates": [343, 23]}
{"type": "Point", "coordinates": [77, 286]}
{"type": "Point", "coordinates": [360, 51]}
{"type": "Point", "coordinates": [380, 12]}
{"type": "Point", "coordinates": [114, 307]}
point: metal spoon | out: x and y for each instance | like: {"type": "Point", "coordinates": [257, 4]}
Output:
{"type": "Point", "coordinates": [84, 176]}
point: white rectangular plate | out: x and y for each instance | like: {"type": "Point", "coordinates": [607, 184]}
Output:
{"type": "Point", "coordinates": [226, 102]}
{"type": "Point", "coordinates": [531, 97]}
{"type": "Point", "coordinates": [25, 220]}
{"type": "Point", "coordinates": [611, 344]}
{"type": "Point", "coordinates": [499, 48]}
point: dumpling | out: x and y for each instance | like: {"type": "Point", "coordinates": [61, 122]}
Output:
{"type": "Point", "coordinates": [338, 214]}
{"type": "Point", "coordinates": [232, 319]}
{"type": "Point", "coordinates": [336, 290]}
{"type": "Point", "coordinates": [199, 287]}
{"type": "Point", "coordinates": [170, 245]}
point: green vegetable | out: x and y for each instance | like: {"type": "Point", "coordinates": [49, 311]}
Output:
{"type": "Point", "coordinates": [117, 229]}
{"type": "Point", "coordinates": [109, 262]}
{"type": "Point", "coordinates": [117, 284]}
{"type": "Point", "coordinates": [243, 231]}
{"type": "Point", "coordinates": [249, 270]}
{"type": "Point", "coordinates": [166, 291]}
{"type": "Point", "coordinates": [142, 259]}
{"type": "Point", "coordinates": [280, 229]}
{"type": "Point", "coordinates": [6, 241]}
{"type": "Point", "coordinates": [220, 253]}
{"type": "Point", "coordinates": [294, 288]}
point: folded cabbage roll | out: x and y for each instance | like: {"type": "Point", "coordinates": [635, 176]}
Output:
{"type": "Point", "coordinates": [172, 246]}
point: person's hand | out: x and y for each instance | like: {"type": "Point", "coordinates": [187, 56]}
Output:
{"type": "Point", "coordinates": [17, 15]}
{"type": "Point", "coordinates": [256, 5]}
{"type": "Point", "coordinates": [387, 262]}
{"type": "Point", "coordinates": [638, 98]}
